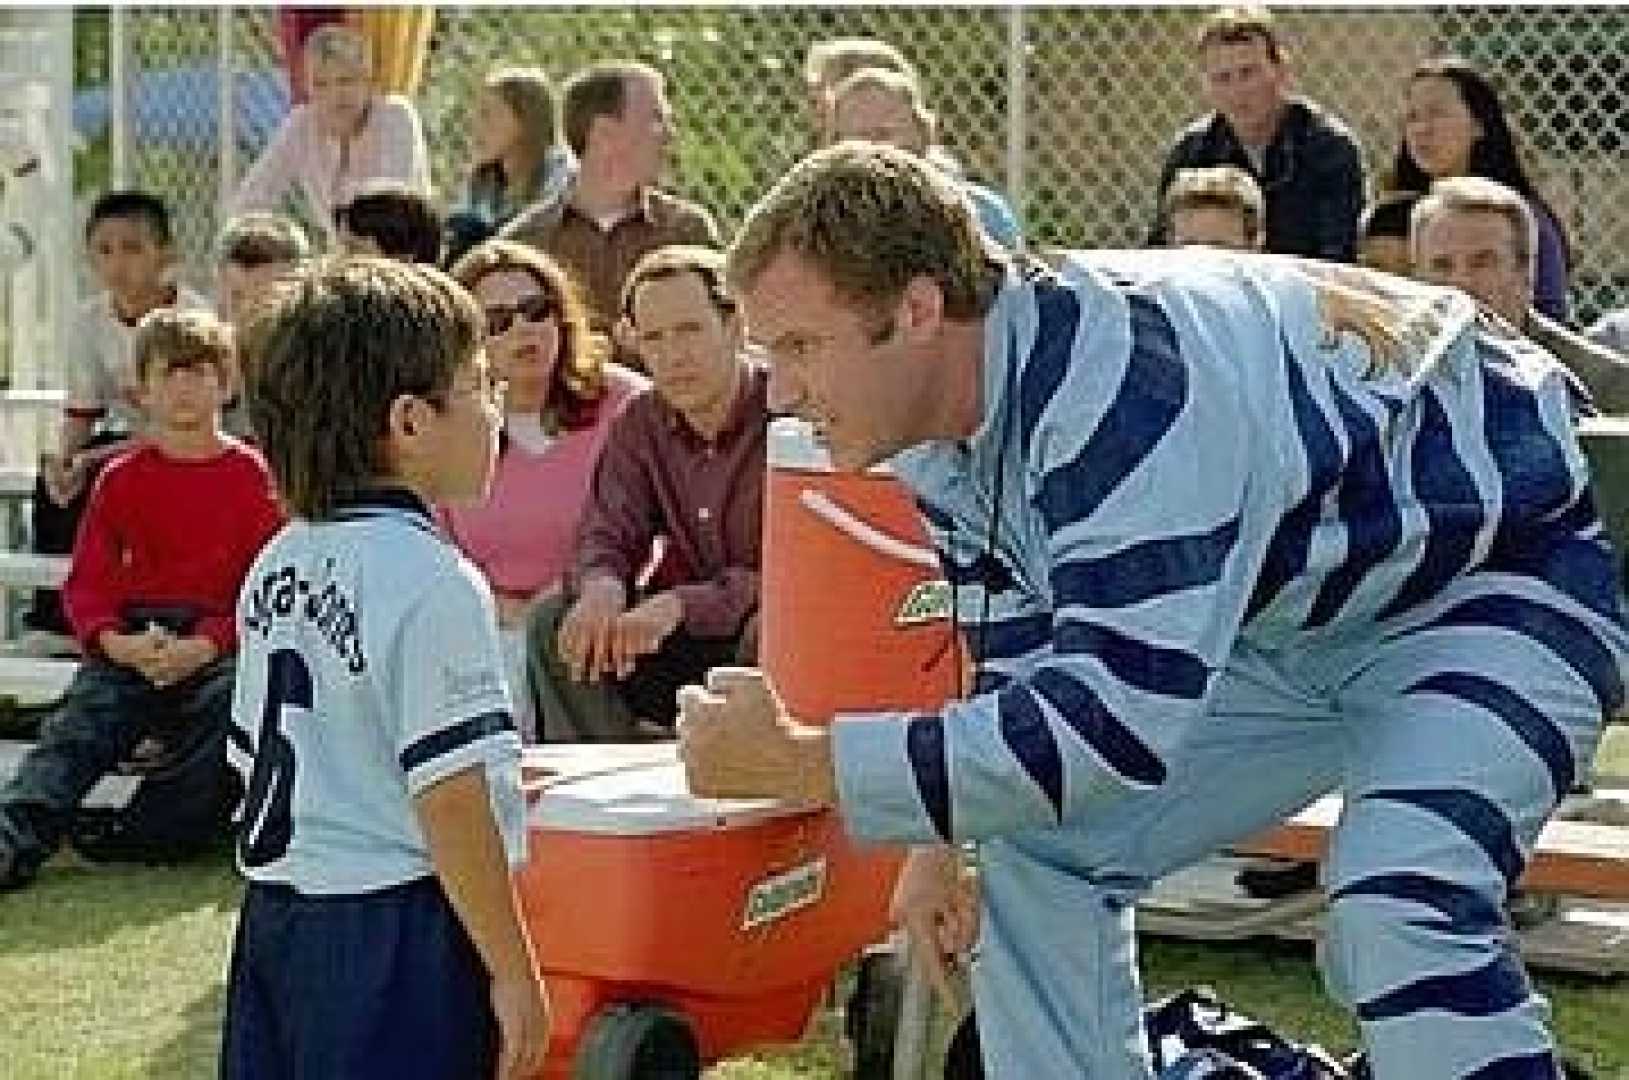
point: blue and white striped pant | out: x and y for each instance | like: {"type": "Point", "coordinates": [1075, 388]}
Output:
{"type": "Point", "coordinates": [1452, 738]}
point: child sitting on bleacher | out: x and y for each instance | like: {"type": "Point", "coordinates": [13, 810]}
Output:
{"type": "Point", "coordinates": [168, 536]}
{"type": "Point", "coordinates": [128, 240]}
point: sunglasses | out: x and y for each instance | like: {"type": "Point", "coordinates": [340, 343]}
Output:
{"type": "Point", "coordinates": [535, 308]}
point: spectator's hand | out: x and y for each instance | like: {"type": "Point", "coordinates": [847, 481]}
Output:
{"type": "Point", "coordinates": [179, 658]}
{"type": "Point", "coordinates": [585, 632]}
{"type": "Point", "coordinates": [641, 630]}
{"type": "Point", "coordinates": [736, 741]}
{"type": "Point", "coordinates": [140, 652]}
{"type": "Point", "coordinates": [522, 1010]}
{"type": "Point", "coordinates": [936, 903]}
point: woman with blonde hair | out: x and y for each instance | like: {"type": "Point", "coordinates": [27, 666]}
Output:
{"type": "Point", "coordinates": [516, 152]}
{"type": "Point", "coordinates": [561, 398]}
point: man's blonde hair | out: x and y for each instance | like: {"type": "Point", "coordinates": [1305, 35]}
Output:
{"type": "Point", "coordinates": [1477, 195]}
{"type": "Point", "coordinates": [1218, 187]}
{"type": "Point", "coordinates": [167, 338]}
{"type": "Point", "coordinates": [870, 218]}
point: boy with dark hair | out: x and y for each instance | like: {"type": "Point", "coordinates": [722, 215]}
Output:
{"type": "Point", "coordinates": [380, 934]}
{"type": "Point", "coordinates": [150, 596]}
{"type": "Point", "coordinates": [391, 219]}
{"type": "Point", "coordinates": [129, 242]}
{"type": "Point", "coordinates": [252, 251]}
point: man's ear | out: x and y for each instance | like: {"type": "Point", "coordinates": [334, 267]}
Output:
{"type": "Point", "coordinates": [921, 308]}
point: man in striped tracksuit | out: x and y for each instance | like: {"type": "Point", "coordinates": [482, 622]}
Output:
{"type": "Point", "coordinates": [1228, 532]}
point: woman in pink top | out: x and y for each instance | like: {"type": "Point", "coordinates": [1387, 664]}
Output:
{"type": "Point", "coordinates": [562, 396]}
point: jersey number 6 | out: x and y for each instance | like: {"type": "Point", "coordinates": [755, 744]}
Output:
{"type": "Point", "coordinates": [268, 822]}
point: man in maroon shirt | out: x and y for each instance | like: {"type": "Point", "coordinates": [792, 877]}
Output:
{"type": "Point", "coordinates": [682, 465]}
{"type": "Point", "coordinates": [170, 530]}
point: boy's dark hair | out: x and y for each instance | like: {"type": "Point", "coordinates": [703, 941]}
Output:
{"type": "Point", "coordinates": [138, 205]}
{"type": "Point", "coordinates": [400, 219]}
{"type": "Point", "coordinates": [330, 352]}
{"type": "Point", "coordinates": [182, 339]}
{"type": "Point", "coordinates": [261, 239]}
{"type": "Point", "coordinates": [598, 90]}
{"type": "Point", "coordinates": [1389, 215]}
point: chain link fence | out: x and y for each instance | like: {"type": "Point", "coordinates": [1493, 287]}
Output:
{"type": "Point", "coordinates": [1067, 110]}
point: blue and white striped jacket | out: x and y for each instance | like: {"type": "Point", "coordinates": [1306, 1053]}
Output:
{"type": "Point", "coordinates": [1183, 458]}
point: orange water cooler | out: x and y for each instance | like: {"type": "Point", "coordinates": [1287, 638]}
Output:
{"type": "Point", "coordinates": [674, 931]}
{"type": "Point", "coordinates": [855, 613]}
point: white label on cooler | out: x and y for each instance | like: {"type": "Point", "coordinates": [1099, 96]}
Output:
{"type": "Point", "coordinates": [779, 895]}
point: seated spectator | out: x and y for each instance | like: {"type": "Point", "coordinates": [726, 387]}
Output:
{"type": "Point", "coordinates": [618, 124]}
{"type": "Point", "coordinates": [1304, 158]}
{"type": "Point", "coordinates": [171, 530]}
{"type": "Point", "coordinates": [518, 156]}
{"type": "Point", "coordinates": [133, 261]}
{"type": "Point", "coordinates": [561, 399]}
{"type": "Point", "coordinates": [1383, 234]}
{"type": "Point", "coordinates": [683, 464]}
{"type": "Point", "coordinates": [347, 135]}
{"type": "Point", "coordinates": [1454, 126]}
{"type": "Point", "coordinates": [1612, 330]}
{"type": "Point", "coordinates": [830, 62]}
{"type": "Point", "coordinates": [391, 219]}
{"type": "Point", "coordinates": [251, 252]}
{"type": "Point", "coordinates": [1218, 207]}
{"type": "Point", "coordinates": [1482, 237]}
{"type": "Point", "coordinates": [886, 107]}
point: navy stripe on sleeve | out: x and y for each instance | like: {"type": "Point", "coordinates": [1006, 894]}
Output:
{"type": "Point", "coordinates": [440, 743]}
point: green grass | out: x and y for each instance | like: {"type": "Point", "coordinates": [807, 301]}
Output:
{"type": "Point", "coordinates": [118, 972]}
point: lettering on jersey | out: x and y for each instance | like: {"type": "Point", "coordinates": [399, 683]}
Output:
{"type": "Point", "coordinates": [282, 594]}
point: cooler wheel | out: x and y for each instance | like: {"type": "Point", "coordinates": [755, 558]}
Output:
{"type": "Point", "coordinates": [638, 1042]}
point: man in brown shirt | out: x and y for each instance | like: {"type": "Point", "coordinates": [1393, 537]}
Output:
{"type": "Point", "coordinates": [618, 122]}
{"type": "Point", "coordinates": [683, 464]}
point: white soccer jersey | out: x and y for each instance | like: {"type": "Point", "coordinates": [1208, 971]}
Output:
{"type": "Point", "coordinates": [369, 670]}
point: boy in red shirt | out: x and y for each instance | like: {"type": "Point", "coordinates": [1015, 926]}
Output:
{"type": "Point", "coordinates": [170, 530]}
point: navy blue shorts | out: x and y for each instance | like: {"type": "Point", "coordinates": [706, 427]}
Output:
{"type": "Point", "coordinates": [382, 984]}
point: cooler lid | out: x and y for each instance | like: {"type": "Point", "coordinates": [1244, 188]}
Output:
{"type": "Point", "coordinates": [638, 797]}
{"type": "Point", "coordinates": [792, 445]}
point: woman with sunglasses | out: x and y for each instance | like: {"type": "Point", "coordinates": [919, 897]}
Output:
{"type": "Point", "coordinates": [1455, 125]}
{"type": "Point", "coordinates": [561, 395]}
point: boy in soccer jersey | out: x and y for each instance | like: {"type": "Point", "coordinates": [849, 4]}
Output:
{"type": "Point", "coordinates": [1261, 528]}
{"type": "Point", "coordinates": [169, 532]}
{"type": "Point", "coordinates": [381, 935]}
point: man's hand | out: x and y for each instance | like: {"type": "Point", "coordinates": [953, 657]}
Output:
{"type": "Point", "coordinates": [936, 903]}
{"type": "Point", "coordinates": [736, 741]}
{"type": "Point", "coordinates": [522, 1009]}
{"type": "Point", "coordinates": [585, 632]}
{"type": "Point", "coordinates": [641, 629]}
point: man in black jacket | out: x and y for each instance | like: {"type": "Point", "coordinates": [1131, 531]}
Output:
{"type": "Point", "coordinates": [1305, 159]}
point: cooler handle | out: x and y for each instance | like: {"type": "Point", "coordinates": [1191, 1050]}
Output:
{"type": "Point", "coordinates": [821, 505]}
